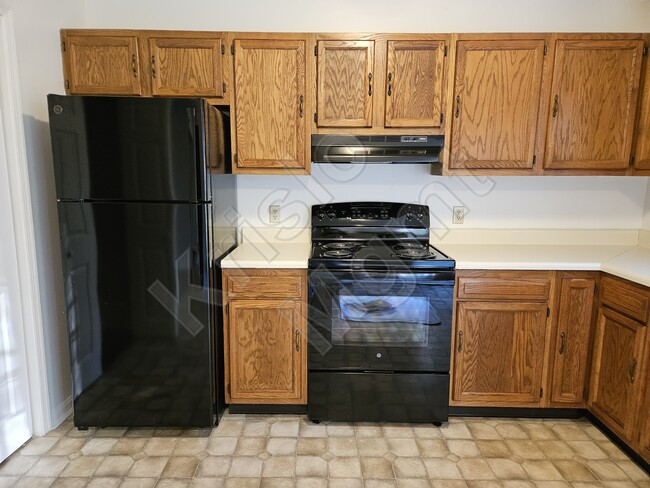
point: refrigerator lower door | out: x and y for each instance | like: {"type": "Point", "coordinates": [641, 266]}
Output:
{"type": "Point", "coordinates": [139, 311]}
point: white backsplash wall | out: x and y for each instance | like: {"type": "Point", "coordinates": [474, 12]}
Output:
{"type": "Point", "coordinates": [491, 202]}
{"type": "Point", "coordinates": [646, 217]}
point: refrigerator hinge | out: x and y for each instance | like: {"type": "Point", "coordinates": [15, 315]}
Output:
{"type": "Point", "coordinates": [232, 49]}
{"type": "Point", "coordinates": [541, 392]}
{"type": "Point", "coordinates": [67, 84]}
{"type": "Point", "coordinates": [63, 46]}
{"type": "Point", "coordinates": [224, 87]}
{"type": "Point", "coordinates": [316, 50]}
{"type": "Point", "coordinates": [223, 48]}
{"type": "Point", "coordinates": [445, 50]}
{"type": "Point", "coordinates": [545, 49]}
{"type": "Point", "coordinates": [316, 117]}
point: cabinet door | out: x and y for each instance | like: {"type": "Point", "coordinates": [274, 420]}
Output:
{"type": "Point", "coordinates": [642, 147]}
{"type": "Point", "coordinates": [496, 96]}
{"type": "Point", "coordinates": [644, 421]}
{"type": "Point", "coordinates": [345, 84]}
{"type": "Point", "coordinates": [266, 351]}
{"type": "Point", "coordinates": [614, 390]}
{"type": "Point", "coordinates": [270, 104]}
{"type": "Point", "coordinates": [414, 83]}
{"type": "Point", "coordinates": [102, 65]}
{"type": "Point", "coordinates": [593, 104]}
{"type": "Point", "coordinates": [499, 353]}
{"type": "Point", "coordinates": [186, 67]}
{"type": "Point", "coordinates": [572, 341]}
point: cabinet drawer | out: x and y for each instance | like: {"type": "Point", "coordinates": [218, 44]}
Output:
{"type": "Point", "coordinates": [264, 283]}
{"type": "Point", "coordinates": [504, 286]}
{"type": "Point", "coordinates": [625, 297]}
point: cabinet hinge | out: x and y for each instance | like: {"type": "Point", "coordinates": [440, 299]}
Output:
{"type": "Point", "coordinates": [316, 50]}
{"type": "Point", "coordinates": [584, 393]}
{"type": "Point", "coordinates": [228, 388]}
{"type": "Point", "coordinates": [232, 49]}
{"type": "Point", "coordinates": [316, 117]}
{"type": "Point", "coordinates": [548, 311]}
{"type": "Point", "coordinates": [631, 159]}
{"type": "Point", "coordinates": [63, 46]}
{"type": "Point", "coordinates": [224, 87]}
{"type": "Point", "coordinates": [541, 392]}
{"type": "Point", "coordinates": [236, 158]}
{"type": "Point", "coordinates": [445, 50]}
{"type": "Point", "coordinates": [442, 118]}
{"type": "Point", "coordinates": [67, 84]}
{"type": "Point", "coordinates": [545, 49]}
{"type": "Point", "coordinates": [645, 50]}
{"type": "Point", "coordinates": [223, 49]}
{"type": "Point", "coordinates": [534, 159]}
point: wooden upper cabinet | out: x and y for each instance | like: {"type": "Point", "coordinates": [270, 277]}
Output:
{"type": "Point", "coordinates": [496, 98]}
{"type": "Point", "coordinates": [345, 83]}
{"type": "Point", "coordinates": [499, 353]}
{"type": "Point", "coordinates": [270, 105]}
{"type": "Point", "coordinates": [616, 367]}
{"type": "Point", "coordinates": [186, 67]}
{"type": "Point", "coordinates": [101, 65]}
{"type": "Point", "coordinates": [593, 104]}
{"type": "Point", "coordinates": [414, 83]}
{"type": "Point", "coordinates": [573, 340]}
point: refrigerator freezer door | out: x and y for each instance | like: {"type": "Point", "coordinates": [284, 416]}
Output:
{"type": "Point", "coordinates": [130, 149]}
{"type": "Point", "coordinates": [139, 312]}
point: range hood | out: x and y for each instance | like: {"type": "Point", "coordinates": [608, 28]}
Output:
{"type": "Point", "coordinates": [327, 148]}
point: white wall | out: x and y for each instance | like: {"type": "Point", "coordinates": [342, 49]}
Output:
{"type": "Point", "coordinates": [36, 25]}
{"type": "Point", "coordinates": [491, 202]}
{"type": "Point", "coordinates": [646, 217]}
{"type": "Point", "coordinates": [374, 15]}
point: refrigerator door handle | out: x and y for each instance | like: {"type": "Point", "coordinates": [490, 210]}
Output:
{"type": "Point", "coordinates": [196, 135]}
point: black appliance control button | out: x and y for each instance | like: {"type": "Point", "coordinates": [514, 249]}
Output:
{"type": "Point", "coordinates": [331, 214]}
{"type": "Point", "coordinates": [320, 215]}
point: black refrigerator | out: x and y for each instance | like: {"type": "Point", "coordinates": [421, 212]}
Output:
{"type": "Point", "coordinates": [147, 208]}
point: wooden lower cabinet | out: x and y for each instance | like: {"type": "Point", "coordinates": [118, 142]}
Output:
{"type": "Point", "coordinates": [265, 337]}
{"type": "Point", "coordinates": [499, 354]}
{"type": "Point", "coordinates": [616, 367]}
{"type": "Point", "coordinates": [572, 344]}
{"type": "Point", "coordinates": [643, 436]}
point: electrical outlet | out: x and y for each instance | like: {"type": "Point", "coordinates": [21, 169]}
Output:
{"type": "Point", "coordinates": [458, 216]}
{"type": "Point", "coordinates": [274, 214]}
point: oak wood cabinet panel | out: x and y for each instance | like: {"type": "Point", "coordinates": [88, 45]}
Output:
{"type": "Point", "coordinates": [499, 353]}
{"type": "Point", "coordinates": [101, 65]}
{"type": "Point", "coordinates": [345, 85]}
{"type": "Point", "coordinates": [626, 297]}
{"type": "Point", "coordinates": [270, 105]}
{"type": "Point", "coordinates": [642, 133]}
{"type": "Point", "coordinates": [496, 97]}
{"type": "Point", "coordinates": [414, 83]}
{"type": "Point", "coordinates": [572, 344]}
{"type": "Point", "coordinates": [186, 66]}
{"type": "Point", "coordinates": [264, 338]}
{"type": "Point", "coordinates": [593, 104]}
{"type": "Point", "coordinates": [615, 385]}
{"type": "Point", "coordinates": [643, 412]}
{"type": "Point", "coordinates": [508, 285]}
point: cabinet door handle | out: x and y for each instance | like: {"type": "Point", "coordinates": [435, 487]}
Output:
{"type": "Point", "coordinates": [460, 341]}
{"type": "Point", "coordinates": [556, 106]}
{"type": "Point", "coordinates": [369, 84]}
{"type": "Point", "coordinates": [297, 340]}
{"type": "Point", "coordinates": [390, 84]}
{"type": "Point", "coordinates": [301, 106]}
{"type": "Point", "coordinates": [153, 66]}
{"type": "Point", "coordinates": [633, 370]}
{"type": "Point", "coordinates": [562, 343]}
{"type": "Point", "coordinates": [457, 106]}
{"type": "Point", "coordinates": [134, 65]}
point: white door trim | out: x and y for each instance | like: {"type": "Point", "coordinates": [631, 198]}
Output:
{"type": "Point", "coordinates": [14, 137]}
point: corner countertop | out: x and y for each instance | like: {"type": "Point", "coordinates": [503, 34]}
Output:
{"type": "Point", "coordinates": [622, 253]}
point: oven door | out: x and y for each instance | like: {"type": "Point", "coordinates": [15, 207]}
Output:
{"type": "Point", "coordinates": [380, 321]}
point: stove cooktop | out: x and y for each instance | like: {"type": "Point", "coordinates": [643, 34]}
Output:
{"type": "Point", "coordinates": [378, 255]}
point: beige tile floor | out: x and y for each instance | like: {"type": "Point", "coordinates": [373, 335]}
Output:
{"type": "Point", "coordinates": [287, 451]}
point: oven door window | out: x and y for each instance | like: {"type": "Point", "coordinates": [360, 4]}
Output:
{"type": "Point", "coordinates": [379, 322]}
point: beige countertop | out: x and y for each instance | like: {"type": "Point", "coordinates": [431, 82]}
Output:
{"type": "Point", "coordinates": [616, 254]}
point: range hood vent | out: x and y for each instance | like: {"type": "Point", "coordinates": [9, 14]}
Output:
{"type": "Point", "coordinates": [375, 149]}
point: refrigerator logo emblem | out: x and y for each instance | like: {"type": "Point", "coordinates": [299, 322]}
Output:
{"type": "Point", "coordinates": [58, 109]}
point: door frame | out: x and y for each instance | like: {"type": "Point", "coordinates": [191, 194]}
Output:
{"type": "Point", "coordinates": [21, 209]}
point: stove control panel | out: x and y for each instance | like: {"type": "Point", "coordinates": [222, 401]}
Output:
{"type": "Point", "coordinates": [370, 214]}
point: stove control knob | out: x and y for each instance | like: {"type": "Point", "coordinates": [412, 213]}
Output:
{"type": "Point", "coordinates": [409, 216]}
{"type": "Point", "coordinates": [331, 214]}
{"type": "Point", "coordinates": [320, 215]}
